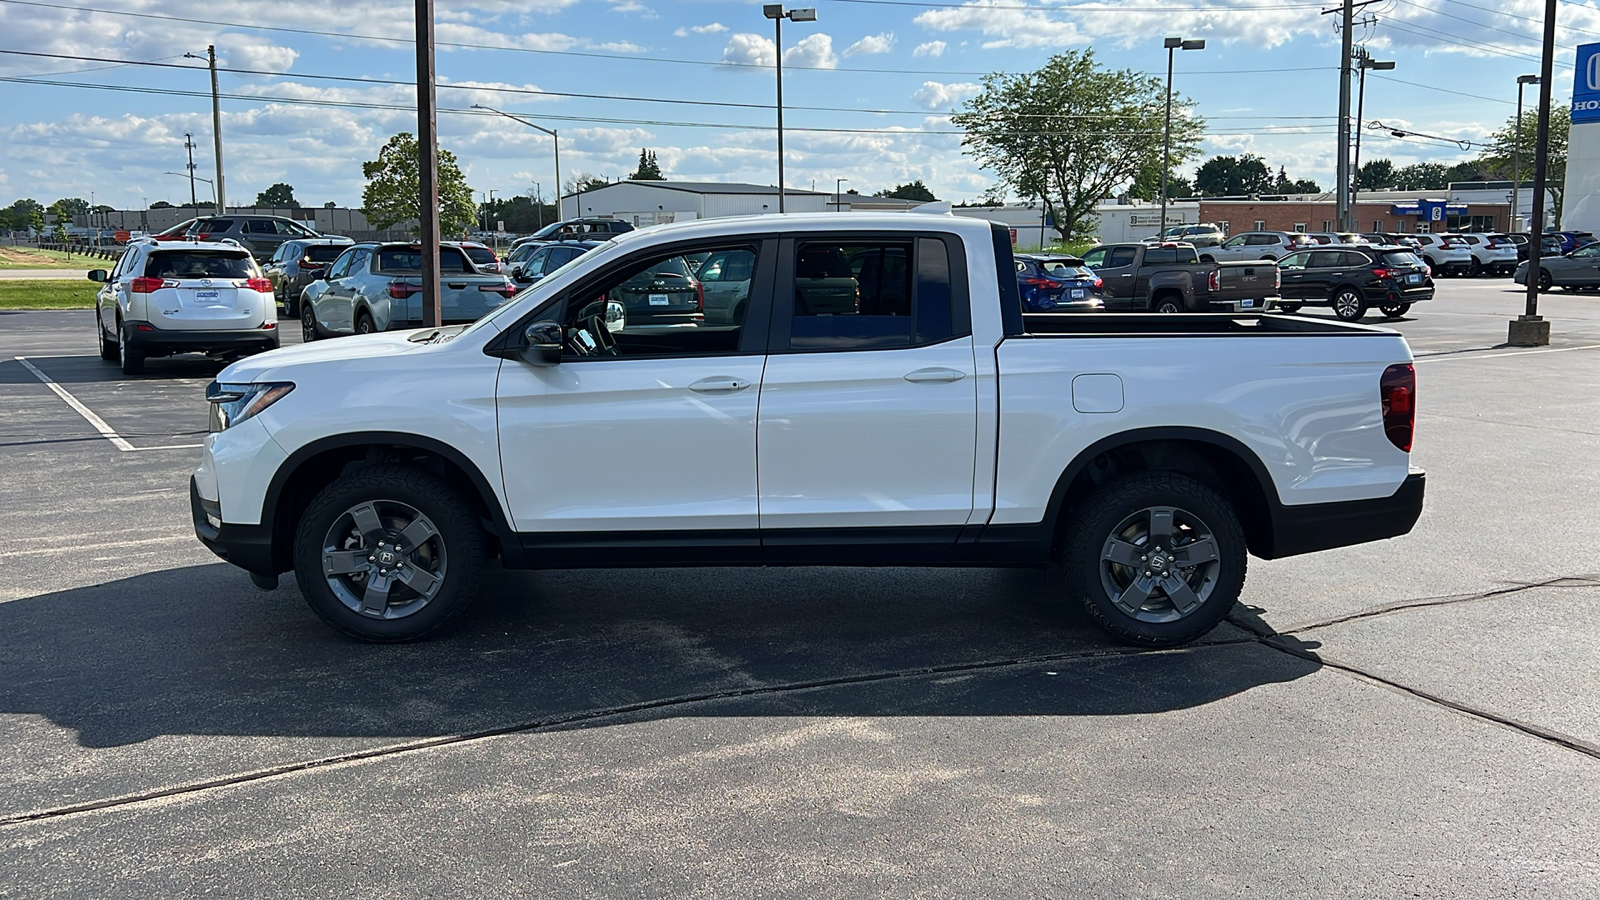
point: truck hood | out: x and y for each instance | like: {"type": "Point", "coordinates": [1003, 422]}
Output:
{"type": "Point", "coordinates": [361, 346]}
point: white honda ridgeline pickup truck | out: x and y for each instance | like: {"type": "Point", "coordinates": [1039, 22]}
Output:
{"type": "Point", "coordinates": [878, 398]}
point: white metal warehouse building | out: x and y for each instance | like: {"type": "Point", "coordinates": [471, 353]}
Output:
{"type": "Point", "coordinates": [655, 202]}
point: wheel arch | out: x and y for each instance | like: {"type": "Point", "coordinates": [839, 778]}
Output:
{"type": "Point", "coordinates": [1220, 461]}
{"type": "Point", "coordinates": [1166, 291]}
{"type": "Point", "coordinates": [316, 465]}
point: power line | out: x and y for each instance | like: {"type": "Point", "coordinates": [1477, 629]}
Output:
{"type": "Point", "coordinates": [1444, 90]}
{"type": "Point", "coordinates": [606, 120]}
{"type": "Point", "coordinates": [391, 39]}
{"type": "Point", "coordinates": [385, 82]}
{"type": "Point", "coordinates": [1499, 12]}
{"type": "Point", "coordinates": [1493, 49]}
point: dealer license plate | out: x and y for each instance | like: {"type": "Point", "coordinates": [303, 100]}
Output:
{"type": "Point", "coordinates": [1246, 304]}
{"type": "Point", "coordinates": [1413, 279]}
{"type": "Point", "coordinates": [205, 295]}
{"type": "Point", "coordinates": [1077, 295]}
{"type": "Point", "coordinates": [659, 299]}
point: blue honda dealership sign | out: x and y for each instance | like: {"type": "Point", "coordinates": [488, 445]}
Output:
{"type": "Point", "coordinates": [1586, 85]}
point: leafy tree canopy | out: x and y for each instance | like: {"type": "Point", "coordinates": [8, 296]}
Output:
{"type": "Point", "coordinates": [916, 190]}
{"type": "Point", "coordinates": [1073, 132]}
{"type": "Point", "coordinates": [279, 196]}
{"type": "Point", "coordinates": [1376, 175]}
{"type": "Point", "coordinates": [394, 189]}
{"type": "Point", "coordinates": [72, 206]}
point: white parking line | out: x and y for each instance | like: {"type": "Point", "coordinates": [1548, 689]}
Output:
{"type": "Point", "coordinates": [1446, 357]}
{"type": "Point", "coordinates": [95, 421]}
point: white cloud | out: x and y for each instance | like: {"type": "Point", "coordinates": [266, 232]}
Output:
{"type": "Point", "coordinates": [872, 43]}
{"type": "Point", "coordinates": [750, 50]}
{"type": "Point", "coordinates": [713, 28]}
{"type": "Point", "coordinates": [931, 48]}
{"type": "Point", "coordinates": [937, 95]}
{"type": "Point", "coordinates": [813, 51]}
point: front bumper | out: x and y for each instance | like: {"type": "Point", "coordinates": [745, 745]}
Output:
{"type": "Point", "coordinates": [247, 546]}
{"type": "Point", "coordinates": [1323, 526]}
{"type": "Point", "coordinates": [150, 340]}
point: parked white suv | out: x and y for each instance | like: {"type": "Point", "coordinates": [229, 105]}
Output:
{"type": "Point", "coordinates": [183, 297]}
{"type": "Point", "coordinates": [1489, 255]}
{"type": "Point", "coordinates": [1254, 245]}
{"type": "Point", "coordinates": [1445, 254]}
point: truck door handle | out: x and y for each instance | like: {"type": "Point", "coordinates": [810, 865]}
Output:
{"type": "Point", "coordinates": [1126, 275]}
{"type": "Point", "coordinates": [936, 373]}
{"type": "Point", "coordinates": [719, 384]}
{"type": "Point", "coordinates": [456, 285]}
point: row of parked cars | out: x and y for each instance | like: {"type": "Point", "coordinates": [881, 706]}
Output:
{"type": "Point", "coordinates": [1446, 254]}
{"type": "Point", "coordinates": [1176, 276]}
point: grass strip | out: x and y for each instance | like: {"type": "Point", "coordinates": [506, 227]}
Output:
{"type": "Point", "coordinates": [47, 294]}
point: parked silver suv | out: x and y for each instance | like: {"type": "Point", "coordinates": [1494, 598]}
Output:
{"type": "Point", "coordinates": [183, 297]}
{"type": "Point", "coordinates": [1252, 245]}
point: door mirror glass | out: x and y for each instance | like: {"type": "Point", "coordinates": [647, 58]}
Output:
{"type": "Point", "coordinates": [542, 344]}
{"type": "Point", "coordinates": [97, 274]}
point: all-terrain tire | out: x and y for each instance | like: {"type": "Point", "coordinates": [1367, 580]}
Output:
{"type": "Point", "coordinates": [1104, 528]}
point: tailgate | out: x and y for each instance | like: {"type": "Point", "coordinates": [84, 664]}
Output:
{"type": "Point", "coordinates": [1245, 280]}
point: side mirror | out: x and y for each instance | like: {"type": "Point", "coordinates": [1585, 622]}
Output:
{"type": "Point", "coordinates": [97, 275]}
{"type": "Point", "coordinates": [543, 347]}
{"type": "Point", "coordinates": [319, 275]}
{"type": "Point", "coordinates": [516, 271]}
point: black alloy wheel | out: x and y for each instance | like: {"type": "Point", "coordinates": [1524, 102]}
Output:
{"type": "Point", "coordinates": [308, 323]}
{"type": "Point", "coordinates": [1546, 281]}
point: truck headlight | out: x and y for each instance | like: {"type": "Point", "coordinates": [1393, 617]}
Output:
{"type": "Point", "coordinates": [234, 403]}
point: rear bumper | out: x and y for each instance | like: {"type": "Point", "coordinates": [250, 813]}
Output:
{"type": "Point", "coordinates": [148, 339]}
{"type": "Point", "coordinates": [247, 546]}
{"type": "Point", "coordinates": [1322, 526]}
{"type": "Point", "coordinates": [1255, 304]}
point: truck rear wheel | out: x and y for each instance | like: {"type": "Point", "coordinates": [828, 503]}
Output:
{"type": "Point", "coordinates": [388, 553]}
{"type": "Point", "coordinates": [1156, 558]}
{"type": "Point", "coordinates": [1167, 303]}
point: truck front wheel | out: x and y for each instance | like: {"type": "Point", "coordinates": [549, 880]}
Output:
{"type": "Point", "coordinates": [388, 553]}
{"type": "Point", "coordinates": [1156, 558]}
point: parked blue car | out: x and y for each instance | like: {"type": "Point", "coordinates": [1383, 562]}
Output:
{"type": "Point", "coordinates": [1571, 240]}
{"type": "Point", "coordinates": [1050, 283]}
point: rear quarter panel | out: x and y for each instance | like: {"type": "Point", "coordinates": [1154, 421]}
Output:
{"type": "Point", "coordinates": [1306, 406]}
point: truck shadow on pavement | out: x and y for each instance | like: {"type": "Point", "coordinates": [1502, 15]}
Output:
{"type": "Point", "coordinates": [197, 651]}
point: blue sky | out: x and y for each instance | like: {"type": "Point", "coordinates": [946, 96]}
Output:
{"type": "Point", "coordinates": [881, 78]}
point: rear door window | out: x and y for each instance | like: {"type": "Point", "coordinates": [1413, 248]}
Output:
{"type": "Point", "coordinates": [213, 226]}
{"type": "Point", "coordinates": [1120, 257]}
{"type": "Point", "coordinates": [874, 294]}
{"type": "Point", "coordinates": [1325, 259]}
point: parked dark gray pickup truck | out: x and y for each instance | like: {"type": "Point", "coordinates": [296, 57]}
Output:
{"type": "Point", "coordinates": [1171, 278]}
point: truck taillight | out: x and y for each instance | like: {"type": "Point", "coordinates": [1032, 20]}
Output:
{"type": "Point", "coordinates": [1214, 280]}
{"type": "Point", "coordinates": [504, 289]}
{"type": "Point", "coordinates": [1398, 391]}
{"type": "Point", "coordinates": [399, 290]}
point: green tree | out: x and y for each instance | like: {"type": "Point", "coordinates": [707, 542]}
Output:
{"type": "Point", "coordinates": [1497, 162]}
{"type": "Point", "coordinates": [73, 206]}
{"type": "Point", "coordinates": [649, 169]}
{"type": "Point", "coordinates": [1283, 184]}
{"type": "Point", "coordinates": [394, 189]}
{"type": "Point", "coordinates": [162, 204]}
{"type": "Point", "coordinates": [58, 229]}
{"type": "Point", "coordinates": [916, 190]}
{"type": "Point", "coordinates": [1422, 177]}
{"type": "Point", "coordinates": [279, 196]}
{"type": "Point", "coordinates": [1148, 185]}
{"type": "Point", "coordinates": [1072, 133]}
{"type": "Point", "coordinates": [1232, 176]}
{"type": "Point", "coordinates": [1375, 175]}
{"type": "Point", "coordinates": [35, 221]}
{"type": "Point", "coordinates": [1468, 170]}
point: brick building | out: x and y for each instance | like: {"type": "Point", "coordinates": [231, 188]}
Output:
{"type": "Point", "coordinates": [1386, 211]}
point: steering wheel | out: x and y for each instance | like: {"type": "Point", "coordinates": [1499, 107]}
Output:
{"type": "Point", "coordinates": [590, 337]}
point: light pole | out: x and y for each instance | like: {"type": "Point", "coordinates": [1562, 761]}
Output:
{"type": "Point", "coordinates": [1366, 62]}
{"type": "Point", "coordinates": [838, 197]}
{"type": "Point", "coordinates": [1530, 329]}
{"type": "Point", "coordinates": [538, 206]}
{"type": "Point", "coordinates": [1516, 155]}
{"type": "Point", "coordinates": [192, 179]}
{"type": "Point", "coordinates": [777, 14]}
{"type": "Point", "coordinates": [1171, 43]}
{"type": "Point", "coordinates": [216, 125]}
{"type": "Point", "coordinates": [556, 138]}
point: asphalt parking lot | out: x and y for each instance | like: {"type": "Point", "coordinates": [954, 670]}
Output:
{"type": "Point", "coordinates": [1416, 717]}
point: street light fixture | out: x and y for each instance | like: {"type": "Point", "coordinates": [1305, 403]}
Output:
{"type": "Point", "coordinates": [1171, 43]}
{"type": "Point", "coordinates": [777, 14]}
{"type": "Point", "coordinates": [1516, 156]}
{"type": "Point", "coordinates": [1365, 62]}
{"type": "Point", "coordinates": [193, 178]}
{"type": "Point", "coordinates": [838, 197]}
{"type": "Point", "coordinates": [556, 138]}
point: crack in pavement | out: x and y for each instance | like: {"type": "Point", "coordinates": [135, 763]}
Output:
{"type": "Point", "coordinates": [1280, 641]}
{"type": "Point", "coordinates": [592, 715]}
{"type": "Point", "coordinates": [1426, 602]}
